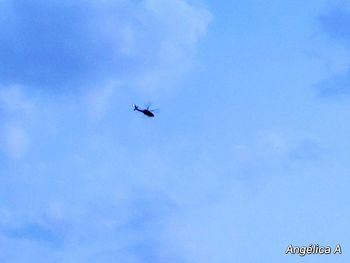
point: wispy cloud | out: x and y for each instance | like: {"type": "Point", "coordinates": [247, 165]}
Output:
{"type": "Point", "coordinates": [273, 147]}
{"type": "Point", "coordinates": [334, 86]}
{"type": "Point", "coordinates": [16, 110]}
{"type": "Point", "coordinates": [81, 185]}
{"type": "Point", "coordinates": [33, 231]}
{"type": "Point", "coordinates": [16, 140]}
{"type": "Point", "coordinates": [334, 24]}
{"type": "Point", "coordinates": [64, 45]}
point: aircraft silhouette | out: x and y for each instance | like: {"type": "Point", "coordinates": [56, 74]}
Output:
{"type": "Point", "coordinates": [147, 111]}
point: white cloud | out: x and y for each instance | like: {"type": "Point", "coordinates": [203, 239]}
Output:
{"type": "Point", "coordinates": [13, 100]}
{"type": "Point", "coordinates": [17, 110]}
{"type": "Point", "coordinates": [131, 41]}
{"type": "Point", "coordinates": [271, 147]}
{"type": "Point", "coordinates": [180, 26]}
{"type": "Point", "coordinates": [84, 183]}
{"type": "Point", "coordinates": [99, 99]}
{"type": "Point", "coordinates": [16, 140]}
{"type": "Point", "coordinates": [273, 143]}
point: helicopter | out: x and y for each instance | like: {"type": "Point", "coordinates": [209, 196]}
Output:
{"type": "Point", "coordinates": [146, 111]}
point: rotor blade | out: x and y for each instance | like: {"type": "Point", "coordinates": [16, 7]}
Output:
{"type": "Point", "coordinates": [155, 110]}
{"type": "Point", "coordinates": [148, 105]}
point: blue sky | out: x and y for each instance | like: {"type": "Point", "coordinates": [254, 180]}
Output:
{"type": "Point", "coordinates": [248, 155]}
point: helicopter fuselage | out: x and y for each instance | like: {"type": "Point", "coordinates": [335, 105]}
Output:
{"type": "Point", "coordinates": [147, 113]}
